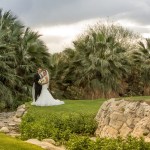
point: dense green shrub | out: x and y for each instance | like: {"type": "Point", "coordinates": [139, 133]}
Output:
{"type": "Point", "coordinates": [84, 143]}
{"type": "Point", "coordinates": [57, 126]}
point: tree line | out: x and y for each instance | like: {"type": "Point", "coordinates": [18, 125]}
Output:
{"type": "Point", "coordinates": [106, 60]}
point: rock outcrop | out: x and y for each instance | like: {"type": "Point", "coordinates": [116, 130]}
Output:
{"type": "Point", "coordinates": [10, 121]}
{"type": "Point", "coordinates": [122, 118]}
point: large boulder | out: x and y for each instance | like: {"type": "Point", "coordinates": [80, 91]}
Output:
{"type": "Point", "coordinates": [122, 118]}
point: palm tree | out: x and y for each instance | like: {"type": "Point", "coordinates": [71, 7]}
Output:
{"type": "Point", "coordinates": [141, 57]}
{"type": "Point", "coordinates": [100, 60]}
{"type": "Point", "coordinates": [21, 51]}
{"type": "Point", "coordinates": [8, 34]}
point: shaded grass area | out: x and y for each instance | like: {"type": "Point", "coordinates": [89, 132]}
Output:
{"type": "Point", "coordinates": [9, 143]}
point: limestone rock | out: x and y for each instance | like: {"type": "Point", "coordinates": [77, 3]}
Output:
{"type": "Point", "coordinates": [125, 130]}
{"type": "Point", "coordinates": [122, 118]}
{"type": "Point", "coordinates": [141, 128]}
{"type": "Point", "coordinates": [15, 134]}
{"type": "Point", "coordinates": [49, 141]}
{"type": "Point", "coordinates": [1, 124]}
{"type": "Point", "coordinates": [4, 130]}
{"type": "Point", "coordinates": [12, 124]}
{"type": "Point", "coordinates": [116, 120]}
{"type": "Point", "coordinates": [44, 145]}
{"type": "Point", "coordinates": [10, 121]}
{"type": "Point", "coordinates": [108, 131]}
{"type": "Point", "coordinates": [20, 112]}
{"type": "Point", "coordinates": [18, 120]}
{"type": "Point", "coordinates": [21, 106]}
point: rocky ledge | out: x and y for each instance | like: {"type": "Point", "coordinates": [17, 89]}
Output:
{"type": "Point", "coordinates": [10, 121]}
{"type": "Point", "coordinates": [122, 118]}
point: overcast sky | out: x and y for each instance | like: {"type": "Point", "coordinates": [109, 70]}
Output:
{"type": "Point", "coordinates": [60, 21]}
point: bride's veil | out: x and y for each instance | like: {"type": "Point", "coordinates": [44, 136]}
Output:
{"type": "Point", "coordinates": [47, 74]}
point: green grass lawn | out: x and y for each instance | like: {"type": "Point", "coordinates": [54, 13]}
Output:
{"type": "Point", "coordinates": [70, 106]}
{"type": "Point", "coordinates": [9, 143]}
{"type": "Point", "coordinates": [79, 106]}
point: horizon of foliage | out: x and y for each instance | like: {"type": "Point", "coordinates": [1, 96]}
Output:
{"type": "Point", "coordinates": [107, 60]}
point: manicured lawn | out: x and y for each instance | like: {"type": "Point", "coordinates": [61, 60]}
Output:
{"type": "Point", "coordinates": [70, 106]}
{"type": "Point", "coordinates": [87, 107]}
{"type": "Point", "coordinates": [9, 143]}
{"type": "Point", "coordinates": [79, 106]}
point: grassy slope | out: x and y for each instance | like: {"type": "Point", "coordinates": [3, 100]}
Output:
{"type": "Point", "coordinates": [9, 143]}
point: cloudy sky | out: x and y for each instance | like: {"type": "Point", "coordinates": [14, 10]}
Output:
{"type": "Point", "coordinates": [61, 21]}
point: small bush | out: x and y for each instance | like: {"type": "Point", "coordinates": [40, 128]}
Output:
{"type": "Point", "coordinates": [79, 143]}
{"type": "Point", "coordinates": [59, 127]}
{"type": "Point", "coordinates": [84, 143]}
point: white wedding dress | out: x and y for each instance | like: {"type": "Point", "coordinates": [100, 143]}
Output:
{"type": "Point", "coordinates": [46, 99]}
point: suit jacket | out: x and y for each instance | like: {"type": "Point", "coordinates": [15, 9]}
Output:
{"type": "Point", "coordinates": [36, 79]}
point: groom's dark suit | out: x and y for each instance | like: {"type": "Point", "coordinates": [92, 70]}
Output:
{"type": "Point", "coordinates": [38, 87]}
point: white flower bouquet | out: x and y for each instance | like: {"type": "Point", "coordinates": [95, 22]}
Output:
{"type": "Point", "coordinates": [42, 81]}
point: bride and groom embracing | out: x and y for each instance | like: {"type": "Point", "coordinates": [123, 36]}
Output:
{"type": "Point", "coordinates": [41, 95]}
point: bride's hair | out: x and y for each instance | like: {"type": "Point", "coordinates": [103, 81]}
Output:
{"type": "Point", "coordinates": [44, 71]}
{"type": "Point", "coordinates": [47, 74]}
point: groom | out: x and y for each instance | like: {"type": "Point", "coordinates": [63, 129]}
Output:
{"type": "Point", "coordinates": [37, 86]}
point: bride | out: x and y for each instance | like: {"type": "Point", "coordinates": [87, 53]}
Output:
{"type": "Point", "coordinates": [45, 98]}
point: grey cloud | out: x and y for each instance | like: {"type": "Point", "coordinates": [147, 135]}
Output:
{"type": "Point", "coordinates": [41, 13]}
{"type": "Point", "coordinates": [139, 14]}
{"type": "Point", "coordinates": [52, 39]}
{"type": "Point", "coordinates": [36, 13]}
